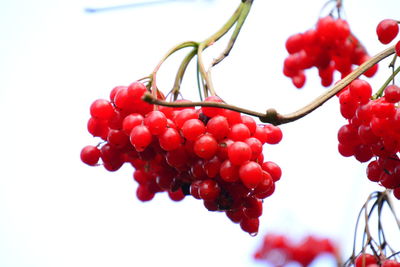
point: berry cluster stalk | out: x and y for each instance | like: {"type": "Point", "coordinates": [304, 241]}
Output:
{"type": "Point", "coordinates": [271, 115]}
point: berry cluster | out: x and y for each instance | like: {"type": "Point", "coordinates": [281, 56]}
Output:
{"type": "Point", "coordinates": [212, 154]}
{"type": "Point", "coordinates": [373, 130]}
{"type": "Point", "coordinates": [278, 250]}
{"type": "Point", "coordinates": [330, 46]}
{"type": "Point", "coordinates": [369, 260]}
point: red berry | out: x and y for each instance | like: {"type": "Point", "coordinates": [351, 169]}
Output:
{"type": "Point", "coordinates": [387, 30]}
{"type": "Point", "coordinates": [156, 121]}
{"type": "Point", "coordinates": [239, 132]}
{"type": "Point", "coordinates": [90, 155]}
{"type": "Point", "coordinates": [251, 174]}
{"type": "Point", "coordinates": [229, 172]}
{"type": "Point", "coordinates": [274, 134]}
{"type": "Point", "coordinates": [364, 260]}
{"type": "Point", "coordinates": [239, 152]}
{"type": "Point", "coordinates": [294, 43]}
{"type": "Point", "coordinates": [209, 190]}
{"type": "Point", "coordinates": [250, 225]}
{"type": "Point", "coordinates": [102, 109]}
{"type": "Point", "coordinates": [392, 93]}
{"type": "Point", "coordinates": [192, 129]}
{"type": "Point", "coordinates": [140, 137]}
{"type": "Point", "coordinates": [170, 139]}
{"type": "Point", "coordinates": [360, 90]}
{"type": "Point", "coordinates": [205, 146]}
{"type": "Point", "coordinates": [273, 169]}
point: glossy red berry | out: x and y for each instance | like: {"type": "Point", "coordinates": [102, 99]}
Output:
{"type": "Point", "coordinates": [250, 174]}
{"type": "Point", "coordinates": [90, 155]}
{"type": "Point", "coordinates": [239, 152]}
{"type": "Point", "coordinates": [205, 146]}
{"type": "Point", "coordinates": [387, 30]}
{"type": "Point", "coordinates": [102, 109]}
{"type": "Point", "coordinates": [140, 137]}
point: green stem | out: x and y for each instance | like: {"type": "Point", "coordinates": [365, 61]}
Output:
{"type": "Point", "coordinates": [200, 81]}
{"type": "Point", "coordinates": [379, 93]}
{"type": "Point", "coordinates": [168, 54]}
{"type": "Point", "coordinates": [181, 72]}
{"type": "Point", "coordinates": [235, 34]}
{"type": "Point", "coordinates": [212, 39]}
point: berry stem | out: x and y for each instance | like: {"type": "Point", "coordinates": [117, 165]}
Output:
{"type": "Point", "coordinates": [153, 76]}
{"type": "Point", "coordinates": [379, 93]}
{"type": "Point", "coordinates": [181, 72]}
{"type": "Point", "coordinates": [243, 8]}
{"type": "Point", "coordinates": [242, 18]}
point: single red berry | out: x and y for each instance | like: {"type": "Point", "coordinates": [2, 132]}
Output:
{"type": "Point", "coordinates": [229, 172]}
{"type": "Point", "coordinates": [299, 79]}
{"type": "Point", "coordinates": [387, 30]}
{"type": "Point", "coordinates": [102, 109]}
{"type": "Point", "coordinates": [265, 188]}
{"type": "Point", "coordinates": [177, 195]}
{"type": "Point", "coordinates": [140, 137]}
{"type": "Point", "coordinates": [235, 215]}
{"type": "Point", "coordinates": [170, 139]}
{"type": "Point", "coordinates": [360, 90]}
{"type": "Point", "coordinates": [364, 260]}
{"type": "Point", "coordinates": [143, 193]}
{"type": "Point", "coordinates": [251, 174]}
{"type": "Point", "coordinates": [98, 127]}
{"type": "Point", "coordinates": [273, 169]}
{"type": "Point", "coordinates": [252, 207]}
{"type": "Point", "coordinates": [218, 126]}
{"type": "Point", "coordinates": [274, 134]}
{"type": "Point", "coordinates": [117, 138]}
{"type": "Point", "coordinates": [239, 152]}
{"type": "Point", "coordinates": [239, 132]}
{"type": "Point", "coordinates": [156, 121]}
{"type": "Point", "coordinates": [294, 43]}
{"type": "Point", "coordinates": [392, 93]}
{"type": "Point", "coordinates": [192, 129]}
{"type": "Point", "coordinates": [212, 167]}
{"type": "Point", "coordinates": [90, 155]}
{"type": "Point", "coordinates": [209, 190]}
{"type": "Point", "coordinates": [250, 225]}
{"type": "Point", "coordinates": [205, 146]}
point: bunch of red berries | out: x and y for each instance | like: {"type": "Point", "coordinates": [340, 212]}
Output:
{"type": "Point", "coordinates": [212, 154]}
{"type": "Point", "coordinates": [278, 250]}
{"type": "Point", "coordinates": [369, 260]}
{"type": "Point", "coordinates": [330, 46]}
{"type": "Point", "coordinates": [373, 131]}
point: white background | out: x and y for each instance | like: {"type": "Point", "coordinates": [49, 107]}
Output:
{"type": "Point", "coordinates": [55, 59]}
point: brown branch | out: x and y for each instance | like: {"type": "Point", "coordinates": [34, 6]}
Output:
{"type": "Point", "coordinates": [271, 115]}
